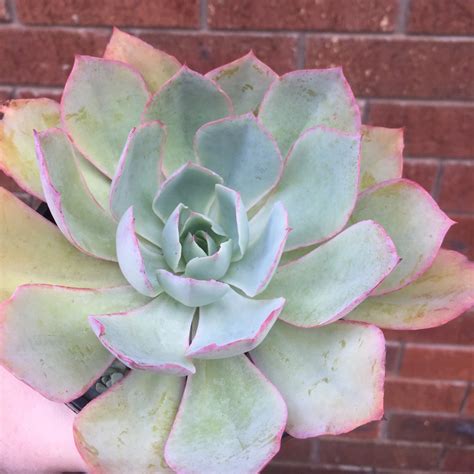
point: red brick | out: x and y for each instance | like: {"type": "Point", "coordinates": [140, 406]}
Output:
{"type": "Point", "coordinates": [42, 56]}
{"type": "Point", "coordinates": [294, 468]}
{"type": "Point", "coordinates": [4, 15]}
{"type": "Point", "coordinates": [458, 331]}
{"type": "Point", "coordinates": [398, 67]}
{"type": "Point", "coordinates": [433, 362]}
{"type": "Point", "coordinates": [434, 429]}
{"type": "Point", "coordinates": [368, 431]}
{"type": "Point", "coordinates": [161, 13]}
{"type": "Point", "coordinates": [469, 405]}
{"type": "Point", "coordinates": [459, 460]}
{"type": "Point", "coordinates": [422, 171]}
{"type": "Point", "coordinates": [461, 235]}
{"type": "Point", "coordinates": [443, 131]}
{"type": "Point", "coordinates": [405, 394]}
{"type": "Point", "coordinates": [379, 455]}
{"type": "Point", "coordinates": [293, 449]}
{"type": "Point", "coordinates": [324, 15]}
{"type": "Point", "coordinates": [457, 187]}
{"type": "Point", "coordinates": [391, 357]}
{"type": "Point", "coordinates": [5, 94]}
{"type": "Point", "coordinates": [455, 17]}
{"type": "Point", "coordinates": [8, 183]}
{"type": "Point", "coordinates": [204, 51]}
{"type": "Point", "coordinates": [288, 469]}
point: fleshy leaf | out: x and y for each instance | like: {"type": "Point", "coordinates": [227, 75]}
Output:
{"type": "Point", "coordinates": [381, 155]}
{"type": "Point", "coordinates": [189, 291]}
{"type": "Point", "coordinates": [137, 259]}
{"type": "Point", "coordinates": [233, 325]}
{"type": "Point", "coordinates": [78, 215]}
{"type": "Point", "coordinates": [254, 271]}
{"type": "Point", "coordinates": [102, 101]}
{"type": "Point", "coordinates": [413, 220]}
{"type": "Point", "coordinates": [137, 413]}
{"type": "Point", "coordinates": [154, 65]}
{"type": "Point", "coordinates": [245, 80]}
{"type": "Point", "coordinates": [136, 180]}
{"type": "Point", "coordinates": [441, 294]}
{"type": "Point", "coordinates": [185, 103]}
{"type": "Point", "coordinates": [211, 267]}
{"type": "Point", "coordinates": [330, 377]}
{"type": "Point", "coordinates": [231, 419]}
{"type": "Point", "coordinates": [330, 281]}
{"type": "Point", "coordinates": [191, 185]}
{"type": "Point", "coordinates": [17, 147]}
{"type": "Point", "coordinates": [33, 250]}
{"type": "Point", "coordinates": [303, 99]}
{"type": "Point", "coordinates": [319, 185]}
{"type": "Point", "coordinates": [191, 249]}
{"type": "Point", "coordinates": [46, 340]}
{"type": "Point", "coordinates": [154, 337]}
{"type": "Point", "coordinates": [97, 183]}
{"type": "Point", "coordinates": [230, 215]}
{"type": "Point", "coordinates": [172, 249]}
{"type": "Point", "coordinates": [243, 153]}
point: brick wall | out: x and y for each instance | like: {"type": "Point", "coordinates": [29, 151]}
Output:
{"type": "Point", "coordinates": [411, 63]}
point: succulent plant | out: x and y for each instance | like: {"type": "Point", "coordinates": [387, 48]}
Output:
{"type": "Point", "coordinates": [237, 239]}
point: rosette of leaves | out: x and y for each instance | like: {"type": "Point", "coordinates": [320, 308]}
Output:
{"type": "Point", "coordinates": [237, 239]}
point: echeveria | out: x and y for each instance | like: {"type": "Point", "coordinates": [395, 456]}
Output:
{"type": "Point", "coordinates": [236, 239]}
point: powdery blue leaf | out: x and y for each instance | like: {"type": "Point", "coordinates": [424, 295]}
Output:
{"type": "Point", "coordinates": [191, 249]}
{"type": "Point", "coordinates": [138, 413]}
{"type": "Point", "coordinates": [303, 99]}
{"type": "Point", "coordinates": [245, 80]}
{"type": "Point", "coordinates": [243, 153]}
{"type": "Point", "coordinates": [233, 325]}
{"type": "Point", "coordinates": [137, 259]}
{"type": "Point", "coordinates": [172, 249]}
{"type": "Point", "coordinates": [102, 101]}
{"type": "Point", "coordinates": [254, 271]}
{"type": "Point", "coordinates": [191, 185]}
{"type": "Point", "coordinates": [330, 377]}
{"type": "Point", "coordinates": [231, 419]}
{"type": "Point", "coordinates": [154, 65]}
{"type": "Point", "coordinates": [230, 215]}
{"type": "Point", "coordinates": [189, 291]}
{"type": "Point", "coordinates": [136, 179]}
{"type": "Point", "coordinates": [330, 281]}
{"type": "Point", "coordinates": [381, 155]}
{"type": "Point", "coordinates": [442, 293]}
{"type": "Point", "coordinates": [33, 250]}
{"type": "Point", "coordinates": [319, 185]}
{"type": "Point", "coordinates": [185, 103]}
{"type": "Point", "coordinates": [46, 340]}
{"type": "Point", "coordinates": [413, 220]}
{"type": "Point", "coordinates": [78, 215]}
{"type": "Point", "coordinates": [211, 267]}
{"type": "Point", "coordinates": [154, 337]}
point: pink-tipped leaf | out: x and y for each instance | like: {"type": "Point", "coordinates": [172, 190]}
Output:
{"type": "Point", "coordinates": [154, 65]}
{"type": "Point", "coordinates": [324, 285]}
{"type": "Point", "coordinates": [185, 103]}
{"type": "Point", "coordinates": [414, 222]}
{"type": "Point", "coordinates": [153, 337]}
{"type": "Point", "coordinates": [331, 377]}
{"type": "Point", "coordinates": [46, 341]}
{"type": "Point", "coordinates": [126, 428]}
{"type": "Point", "coordinates": [231, 419]}
{"type": "Point", "coordinates": [245, 81]}
{"type": "Point", "coordinates": [442, 293]}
